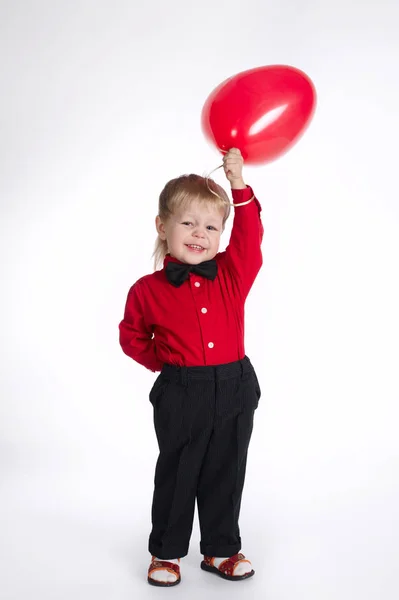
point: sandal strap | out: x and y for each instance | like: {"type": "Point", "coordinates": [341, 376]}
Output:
{"type": "Point", "coordinates": [158, 565]}
{"type": "Point", "coordinates": [227, 566]}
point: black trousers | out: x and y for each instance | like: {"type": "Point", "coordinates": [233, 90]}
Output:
{"type": "Point", "coordinates": [203, 419]}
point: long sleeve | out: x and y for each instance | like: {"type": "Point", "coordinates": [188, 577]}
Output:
{"type": "Point", "coordinates": [134, 337]}
{"type": "Point", "coordinates": [243, 253]}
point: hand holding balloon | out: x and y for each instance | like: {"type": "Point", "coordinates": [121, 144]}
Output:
{"type": "Point", "coordinates": [233, 163]}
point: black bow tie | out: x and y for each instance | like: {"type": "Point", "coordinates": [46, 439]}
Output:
{"type": "Point", "coordinates": [177, 273]}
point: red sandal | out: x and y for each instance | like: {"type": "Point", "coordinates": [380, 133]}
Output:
{"type": "Point", "coordinates": [163, 565]}
{"type": "Point", "coordinates": [226, 568]}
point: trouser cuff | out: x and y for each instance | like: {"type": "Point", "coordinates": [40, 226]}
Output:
{"type": "Point", "coordinates": [167, 552]}
{"type": "Point", "coordinates": [220, 551]}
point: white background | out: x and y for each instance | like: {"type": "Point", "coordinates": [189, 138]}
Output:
{"type": "Point", "coordinates": [100, 106]}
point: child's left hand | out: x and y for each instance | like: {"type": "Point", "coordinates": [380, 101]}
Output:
{"type": "Point", "coordinates": [233, 163]}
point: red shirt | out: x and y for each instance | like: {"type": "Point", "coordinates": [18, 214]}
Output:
{"type": "Point", "coordinates": [202, 321]}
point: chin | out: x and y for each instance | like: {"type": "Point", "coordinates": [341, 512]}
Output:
{"type": "Point", "coordinates": [193, 256]}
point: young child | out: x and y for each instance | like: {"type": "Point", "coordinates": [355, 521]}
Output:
{"type": "Point", "coordinates": [187, 321]}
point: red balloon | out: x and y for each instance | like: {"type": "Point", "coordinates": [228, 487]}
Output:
{"type": "Point", "coordinates": [262, 112]}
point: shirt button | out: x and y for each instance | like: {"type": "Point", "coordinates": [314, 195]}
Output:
{"type": "Point", "coordinates": [204, 310]}
{"type": "Point", "coordinates": [197, 284]}
{"type": "Point", "coordinates": [211, 345]}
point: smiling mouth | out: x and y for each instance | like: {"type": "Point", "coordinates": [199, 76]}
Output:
{"type": "Point", "coordinates": [195, 247]}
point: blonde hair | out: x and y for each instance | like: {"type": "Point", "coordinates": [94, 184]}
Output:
{"type": "Point", "coordinates": [178, 194]}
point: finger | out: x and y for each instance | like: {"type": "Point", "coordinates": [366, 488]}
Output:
{"type": "Point", "coordinates": [233, 163]}
{"type": "Point", "coordinates": [232, 156]}
{"type": "Point", "coordinates": [235, 157]}
{"type": "Point", "coordinates": [232, 152]}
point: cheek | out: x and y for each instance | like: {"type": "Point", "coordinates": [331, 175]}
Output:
{"type": "Point", "coordinates": [175, 234]}
{"type": "Point", "coordinates": [216, 241]}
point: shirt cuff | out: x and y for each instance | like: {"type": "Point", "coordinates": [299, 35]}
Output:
{"type": "Point", "coordinates": [244, 195]}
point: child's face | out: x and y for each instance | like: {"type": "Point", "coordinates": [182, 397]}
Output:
{"type": "Point", "coordinates": [198, 225]}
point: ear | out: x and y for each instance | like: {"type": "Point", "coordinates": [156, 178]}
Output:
{"type": "Point", "coordinates": [160, 227]}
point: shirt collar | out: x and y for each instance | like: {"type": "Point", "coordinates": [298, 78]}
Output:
{"type": "Point", "coordinates": [168, 258]}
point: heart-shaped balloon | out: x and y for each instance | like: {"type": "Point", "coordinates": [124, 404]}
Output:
{"type": "Point", "coordinates": [262, 112]}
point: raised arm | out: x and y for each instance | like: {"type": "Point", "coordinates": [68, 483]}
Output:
{"type": "Point", "coordinates": [243, 253]}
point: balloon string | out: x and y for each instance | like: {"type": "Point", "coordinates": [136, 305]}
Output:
{"type": "Point", "coordinates": [217, 195]}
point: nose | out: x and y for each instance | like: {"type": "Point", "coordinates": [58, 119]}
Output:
{"type": "Point", "coordinates": [199, 232]}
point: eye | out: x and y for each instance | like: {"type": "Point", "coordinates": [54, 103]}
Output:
{"type": "Point", "coordinates": [187, 223]}
{"type": "Point", "coordinates": [212, 227]}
